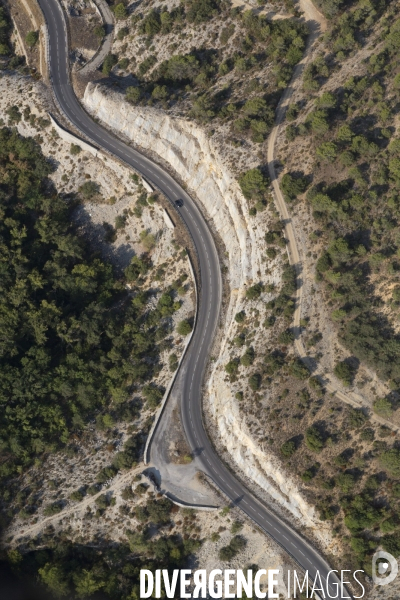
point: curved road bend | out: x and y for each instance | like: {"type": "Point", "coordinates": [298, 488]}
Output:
{"type": "Point", "coordinates": [209, 302]}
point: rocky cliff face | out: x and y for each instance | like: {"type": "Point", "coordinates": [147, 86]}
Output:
{"type": "Point", "coordinates": [190, 153]}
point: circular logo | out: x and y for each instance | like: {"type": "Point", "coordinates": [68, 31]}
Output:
{"type": "Point", "coordinates": [384, 568]}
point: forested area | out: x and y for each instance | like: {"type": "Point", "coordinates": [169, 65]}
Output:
{"type": "Point", "coordinates": [73, 342]}
{"type": "Point", "coordinates": [68, 570]}
{"type": "Point", "coordinates": [7, 57]}
{"type": "Point", "coordinates": [5, 32]}
{"type": "Point", "coordinates": [75, 345]}
{"type": "Point", "coordinates": [354, 193]}
{"type": "Point", "coordinates": [346, 118]}
{"type": "Point", "coordinates": [206, 78]}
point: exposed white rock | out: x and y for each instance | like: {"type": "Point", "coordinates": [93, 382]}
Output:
{"type": "Point", "coordinates": [191, 154]}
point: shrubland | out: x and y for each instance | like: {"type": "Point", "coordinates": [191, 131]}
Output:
{"type": "Point", "coordinates": [349, 122]}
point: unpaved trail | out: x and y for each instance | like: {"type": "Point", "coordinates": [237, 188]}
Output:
{"type": "Point", "coordinates": [116, 486]}
{"type": "Point", "coordinates": [317, 25]}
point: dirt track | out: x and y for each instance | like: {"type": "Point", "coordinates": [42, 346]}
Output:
{"type": "Point", "coordinates": [317, 24]}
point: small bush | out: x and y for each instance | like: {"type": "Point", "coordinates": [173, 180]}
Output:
{"type": "Point", "coordinates": [106, 474]}
{"type": "Point", "coordinates": [32, 38]}
{"type": "Point", "coordinates": [390, 460]}
{"type": "Point", "coordinates": [367, 434]}
{"type": "Point", "coordinates": [288, 448]}
{"type": "Point", "coordinates": [299, 370]}
{"type": "Point", "coordinates": [254, 292]}
{"type": "Point", "coordinates": [344, 372]}
{"type": "Point", "coordinates": [120, 221]}
{"type": "Point", "coordinates": [248, 357]}
{"type": "Point", "coordinates": [229, 552]}
{"type": "Point", "coordinates": [77, 495]}
{"type": "Point", "coordinates": [384, 408]}
{"type": "Point", "coordinates": [120, 11]}
{"type": "Point", "coordinates": [153, 395]}
{"type": "Point", "coordinates": [102, 501]}
{"type": "Point", "coordinates": [109, 62]}
{"type": "Point", "coordinates": [99, 32]}
{"type": "Point", "coordinates": [236, 527]}
{"type": "Point", "coordinates": [314, 439]}
{"type": "Point", "coordinates": [75, 149]}
{"type": "Point", "coordinates": [255, 381]}
{"type": "Point", "coordinates": [148, 240]}
{"type": "Point", "coordinates": [52, 509]}
{"type": "Point", "coordinates": [173, 362]}
{"type": "Point", "coordinates": [232, 367]}
{"type": "Point", "coordinates": [88, 190]}
{"type": "Point", "coordinates": [184, 327]}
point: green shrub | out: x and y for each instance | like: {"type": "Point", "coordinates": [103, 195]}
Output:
{"type": "Point", "coordinates": [148, 240]}
{"type": "Point", "coordinates": [52, 509]}
{"type": "Point", "coordinates": [123, 64]}
{"type": "Point", "coordinates": [240, 317]}
{"type": "Point", "coordinates": [109, 62]}
{"type": "Point", "coordinates": [173, 362]}
{"type": "Point", "coordinates": [31, 38]}
{"type": "Point", "coordinates": [199, 11]}
{"type": "Point", "coordinates": [153, 395]}
{"type": "Point", "coordinates": [138, 267]}
{"type": "Point", "coordinates": [298, 369]}
{"type": "Point", "coordinates": [229, 552]}
{"type": "Point", "coordinates": [383, 407]}
{"type": "Point", "coordinates": [99, 32]}
{"type": "Point", "coordinates": [367, 434]}
{"type": "Point", "coordinates": [75, 149]}
{"type": "Point", "coordinates": [120, 221]}
{"type": "Point", "coordinates": [293, 186]}
{"type": "Point", "coordinates": [286, 337]}
{"type": "Point", "coordinates": [236, 527]}
{"type": "Point", "coordinates": [14, 114]}
{"type": "Point", "coordinates": [120, 11]}
{"type": "Point", "coordinates": [344, 372]}
{"type": "Point", "coordinates": [390, 461]}
{"type": "Point", "coordinates": [102, 502]}
{"type": "Point", "coordinates": [253, 184]}
{"type": "Point", "coordinates": [106, 473]}
{"type": "Point", "coordinates": [232, 367]}
{"type": "Point", "coordinates": [159, 511]}
{"type": "Point", "coordinates": [127, 493]}
{"type": "Point", "coordinates": [88, 190]}
{"type": "Point", "coordinates": [248, 357]}
{"type": "Point", "coordinates": [93, 489]}
{"type": "Point", "coordinates": [255, 381]}
{"type": "Point", "coordinates": [389, 525]}
{"type": "Point", "coordinates": [288, 448]}
{"type": "Point", "coordinates": [123, 32]}
{"type": "Point", "coordinates": [133, 94]}
{"type": "Point", "coordinates": [254, 291]}
{"type": "Point", "coordinates": [77, 495]}
{"type": "Point", "coordinates": [314, 439]}
{"type": "Point", "coordinates": [346, 482]}
{"type": "Point", "coordinates": [356, 418]}
{"type": "Point", "coordinates": [184, 327]}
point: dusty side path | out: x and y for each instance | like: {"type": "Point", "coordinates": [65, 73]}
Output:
{"type": "Point", "coordinates": [317, 24]}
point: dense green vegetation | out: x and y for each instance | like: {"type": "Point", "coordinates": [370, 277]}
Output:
{"type": "Point", "coordinates": [73, 342]}
{"type": "Point", "coordinates": [354, 195]}
{"type": "Point", "coordinates": [5, 32]}
{"type": "Point", "coordinates": [77, 571]}
{"type": "Point", "coordinates": [208, 77]}
{"type": "Point", "coordinates": [349, 465]}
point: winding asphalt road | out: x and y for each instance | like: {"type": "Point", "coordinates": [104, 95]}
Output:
{"type": "Point", "coordinates": [208, 310]}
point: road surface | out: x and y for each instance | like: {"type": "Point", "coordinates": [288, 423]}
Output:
{"type": "Point", "coordinates": [196, 358]}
